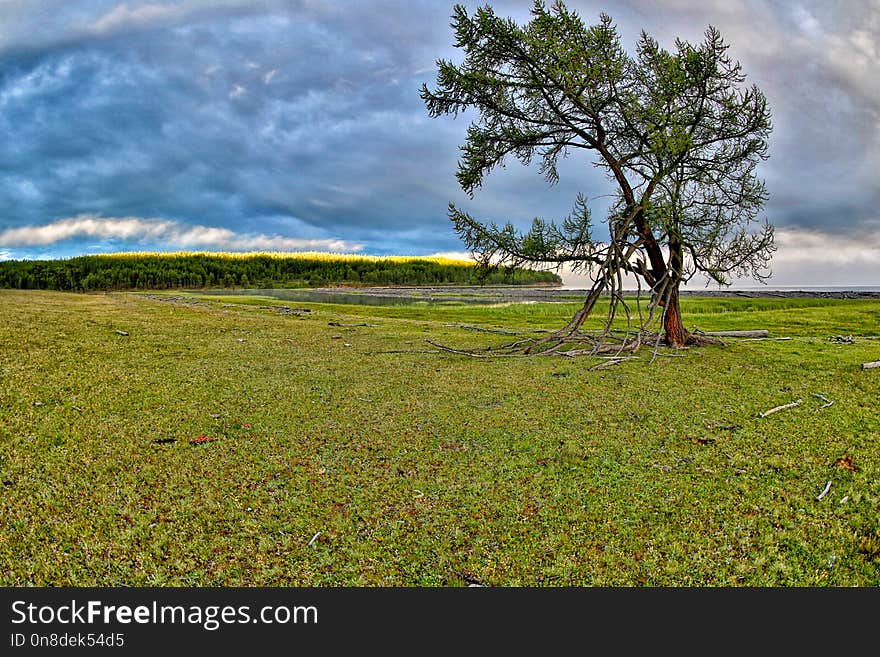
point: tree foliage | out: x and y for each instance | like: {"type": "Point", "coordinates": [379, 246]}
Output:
{"type": "Point", "coordinates": [197, 270]}
{"type": "Point", "coordinates": [678, 133]}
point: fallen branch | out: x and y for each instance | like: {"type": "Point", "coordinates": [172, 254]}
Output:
{"type": "Point", "coordinates": [824, 491]}
{"type": "Point", "coordinates": [872, 365]}
{"type": "Point", "coordinates": [464, 352]}
{"type": "Point", "coordinates": [760, 333]}
{"type": "Point", "coordinates": [763, 339]}
{"type": "Point", "coordinates": [825, 399]}
{"type": "Point", "coordinates": [341, 324]}
{"type": "Point", "coordinates": [314, 538]}
{"type": "Point", "coordinates": [283, 310]}
{"type": "Point", "coordinates": [781, 408]}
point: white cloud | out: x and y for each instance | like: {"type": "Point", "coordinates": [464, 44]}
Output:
{"type": "Point", "coordinates": [808, 23]}
{"type": "Point", "coordinates": [134, 15]}
{"type": "Point", "coordinates": [817, 258]}
{"type": "Point", "coordinates": [807, 258]}
{"type": "Point", "coordinates": [267, 77]}
{"type": "Point", "coordinates": [123, 15]}
{"type": "Point", "coordinates": [801, 245]}
{"type": "Point", "coordinates": [171, 233]}
{"type": "Point", "coordinates": [452, 255]}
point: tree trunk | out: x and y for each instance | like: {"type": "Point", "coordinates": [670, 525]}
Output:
{"type": "Point", "coordinates": [675, 334]}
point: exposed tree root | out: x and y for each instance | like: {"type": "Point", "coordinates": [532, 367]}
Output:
{"type": "Point", "coordinates": [697, 340]}
{"type": "Point", "coordinates": [652, 323]}
{"type": "Point", "coordinates": [561, 343]}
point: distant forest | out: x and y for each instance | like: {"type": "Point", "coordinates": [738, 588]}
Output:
{"type": "Point", "coordinates": [160, 271]}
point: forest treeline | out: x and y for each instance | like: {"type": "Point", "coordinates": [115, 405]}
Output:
{"type": "Point", "coordinates": [159, 271]}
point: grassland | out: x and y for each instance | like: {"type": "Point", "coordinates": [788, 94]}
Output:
{"type": "Point", "coordinates": [355, 455]}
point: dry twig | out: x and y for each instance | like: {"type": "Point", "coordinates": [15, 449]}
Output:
{"type": "Point", "coordinates": [465, 352]}
{"type": "Point", "coordinates": [797, 402]}
{"type": "Point", "coordinates": [614, 360]}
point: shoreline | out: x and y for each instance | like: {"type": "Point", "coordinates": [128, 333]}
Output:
{"type": "Point", "coordinates": [539, 293]}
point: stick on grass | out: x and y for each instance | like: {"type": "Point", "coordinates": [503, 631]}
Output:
{"type": "Point", "coordinates": [776, 409]}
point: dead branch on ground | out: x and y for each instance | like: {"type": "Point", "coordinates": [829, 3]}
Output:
{"type": "Point", "coordinates": [776, 409]}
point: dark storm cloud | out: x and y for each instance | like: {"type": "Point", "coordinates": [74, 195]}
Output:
{"type": "Point", "coordinates": [302, 120]}
{"type": "Point", "coordinates": [287, 120]}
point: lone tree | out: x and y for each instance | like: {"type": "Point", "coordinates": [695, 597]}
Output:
{"type": "Point", "coordinates": [678, 133]}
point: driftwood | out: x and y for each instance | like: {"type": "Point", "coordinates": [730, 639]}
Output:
{"type": "Point", "coordinates": [760, 333]}
{"type": "Point", "coordinates": [871, 365]}
{"type": "Point", "coordinates": [797, 402]}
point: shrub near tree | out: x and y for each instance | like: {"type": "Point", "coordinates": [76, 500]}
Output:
{"type": "Point", "coordinates": [678, 133]}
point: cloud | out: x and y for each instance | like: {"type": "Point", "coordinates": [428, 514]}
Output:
{"type": "Point", "coordinates": [170, 233]}
{"type": "Point", "coordinates": [817, 257]}
{"type": "Point", "coordinates": [804, 257]}
{"type": "Point", "coordinates": [302, 118]}
{"type": "Point", "coordinates": [124, 16]}
{"type": "Point", "coordinates": [452, 255]}
{"type": "Point", "coordinates": [252, 117]}
{"type": "Point", "coordinates": [813, 246]}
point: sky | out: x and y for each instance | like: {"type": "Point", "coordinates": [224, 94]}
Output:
{"type": "Point", "coordinates": [284, 125]}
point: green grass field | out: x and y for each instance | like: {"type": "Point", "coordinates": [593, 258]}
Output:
{"type": "Point", "coordinates": [356, 455]}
